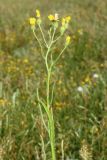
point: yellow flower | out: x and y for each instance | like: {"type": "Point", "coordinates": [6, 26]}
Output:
{"type": "Point", "coordinates": [25, 60]}
{"type": "Point", "coordinates": [87, 80]}
{"type": "Point", "coordinates": [68, 40]}
{"type": "Point", "coordinates": [32, 21]}
{"type": "Point", "coordinates": [37, 13]}
{"type": "Point", "coordinates": [51, 17]}
{"type": "Point", "coordinates": [68, 18]}
{"type": "Point", "coordinates": [82, 82]}
{"type": "Point", "coordinates": [102, 65]}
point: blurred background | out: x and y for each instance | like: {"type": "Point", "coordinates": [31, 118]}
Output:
{"type": "Point", "coordinates": [80, 99]}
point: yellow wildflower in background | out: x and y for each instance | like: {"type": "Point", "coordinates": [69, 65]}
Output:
{"type": "Point", "coordinates": [26, 60]}
{"type": "Point", "coordinates": [88, 80]}
{"type": "Point", "coordinates": [80, 31]}
{"type": "Point", "coordinates": [38, 13]}
{"type": "Point", "coordinates": [32, 21]}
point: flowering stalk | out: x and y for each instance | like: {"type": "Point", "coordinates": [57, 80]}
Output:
{"type": "Point", "coordinates": [50, 64]}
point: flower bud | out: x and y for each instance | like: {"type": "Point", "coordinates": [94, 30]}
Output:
{"type": "Point", "coordinates": [68, 40]}
{"type": "Point", "coordinates": [38, 13]}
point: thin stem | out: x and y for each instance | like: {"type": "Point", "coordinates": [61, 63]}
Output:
{"type": "Point", "coordinates": [43, 148]}
{"type": "Point", "coordinates": [39, 43]}
{"type": "Point", "coordinates": [59, 56]}
{"type": "Point", "coordinates": [43, 104]}
{"type": "Point", "coordinates": [43, 118]}
{"type": "Point", "coordinates": [62, 149]}
{"type": "Point", "coordinates": [52, 94]}
{"type": "Point", "coordinates": [41, 113]}
{"type": "Point", "coordinates": [49, 70]}
{"type": "Point", "coordinates": [53, 34]}
{"type": "Point", "coordinates": [43, 36]}
{"type": "Point", "coordinates": [46, 59]}
{"type": "Point", "coordinates": [48, 50]}
{"type": "Point", "coordinates": [57, 39]}
{"type": "Point", "coordinates": [49, 33]}
{"type": "Point", "coordinates": [53, 138]}
{"type": "Point", "coordinates": [48, 88]}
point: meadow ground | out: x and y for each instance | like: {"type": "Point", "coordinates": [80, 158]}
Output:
{"type": "Point", "coordinates": [80, 96]}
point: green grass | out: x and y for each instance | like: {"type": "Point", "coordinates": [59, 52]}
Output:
{"type": "Point", "coordinates": [80, 118]}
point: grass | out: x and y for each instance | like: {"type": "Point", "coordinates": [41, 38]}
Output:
{"type": "Point", "coordinates": [80, 115]}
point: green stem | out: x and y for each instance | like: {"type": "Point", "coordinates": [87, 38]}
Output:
{"type": "Point", "coordinates": [57, 39]}
{"type": "Point", "coordinates": [43, 36]}
{"type": "Point", "coordinates": [39, 43]}
{"type": "Point", "coordinates": [52, 135]}
{"type": "Point", "coordinates": [48, 50]}
{"type": "Point", "coordinates": [47, 107]}
{"type": "Point", "coordinates": [58, 57]}
{"type": "Point", "coordinates": [51, 120]}
{"type": "Point", "coordinates": [48, 88]}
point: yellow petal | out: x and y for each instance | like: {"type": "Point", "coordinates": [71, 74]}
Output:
{"type": "Point", "coordinates": [51, 17]}
{"type": "Point", "coordinates": [32, 21]}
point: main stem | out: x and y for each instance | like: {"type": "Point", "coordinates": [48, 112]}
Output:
{"type": "Point", "coordinates": [51, 120]}
{"type": "Point", "coordinates": [50, 117]}
{"type": "Point", "coordinates": [48, 88]}
{"type": "Point", "coordinates": [52, 137]}
{"type": "Point", "coordinates": [51, 129]}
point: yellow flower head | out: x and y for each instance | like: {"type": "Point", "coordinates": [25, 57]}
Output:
{"type": "Point", "coordinates": [38, 13]}
{"type": "Point", "coordinates": [68, 40]}
{"type": "Point", "coordinates": [51, 17]}
{"type": "Point", "coordinates": [87, 79]}
{"type": "Point", "coordinates": [68, 18]}
{"type": "Point", "coordinates": [32, 21]}
{"type": "Point", "coordinates": [25, 60]}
